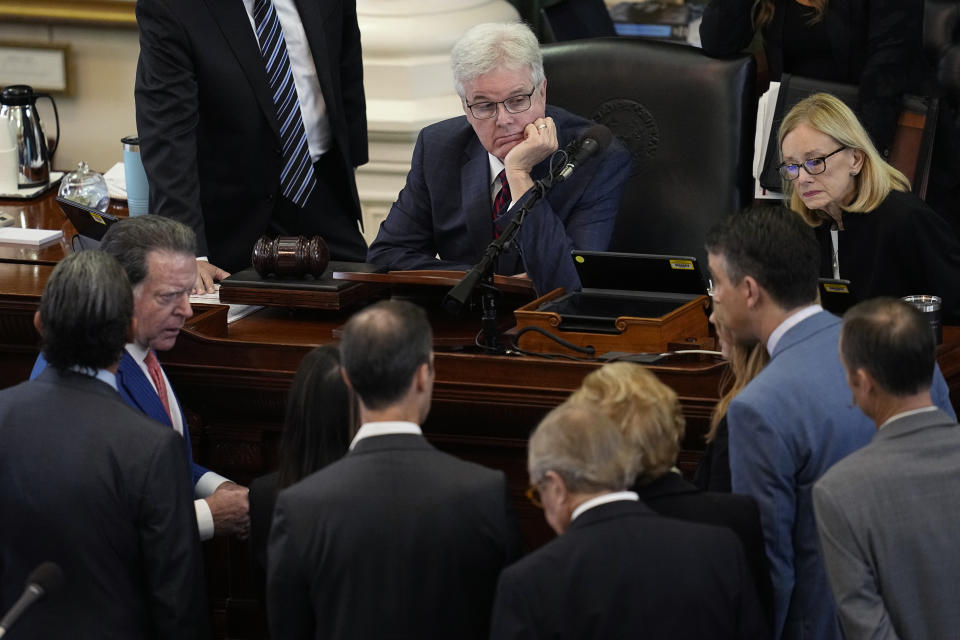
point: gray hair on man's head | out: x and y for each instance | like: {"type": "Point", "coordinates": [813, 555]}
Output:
{"type": "Point", "coordinates": [582, 446]}
{"type": "Point", "coordinates": [131, 240]}
{"type": "Point", "coordinates": [490, 46]}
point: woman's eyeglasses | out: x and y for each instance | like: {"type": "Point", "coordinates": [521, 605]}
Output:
{"type": "Point", "coordinates": [813, 166]}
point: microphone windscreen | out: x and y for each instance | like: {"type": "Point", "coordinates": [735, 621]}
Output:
{"type": "Point", "coordinates": [48, 576]}
{"type": "Point", "coordinates": [601, 134]}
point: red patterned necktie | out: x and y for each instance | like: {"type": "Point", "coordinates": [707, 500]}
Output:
{"type": "Point", "coordinates": [501, 202]}
{"type": "Point", "coordinates": [156, 374]}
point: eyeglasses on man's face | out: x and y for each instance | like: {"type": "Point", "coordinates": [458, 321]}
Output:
{"type": "Point", "coordinates": [533, 495]}
{"type": "Point", "coordinates": [513, 104]}
{"type": "Point", "coordinates": [813, 166]}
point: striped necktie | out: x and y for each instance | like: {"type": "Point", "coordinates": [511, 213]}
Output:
{"type": "Point", "coordinates": [297, 180]}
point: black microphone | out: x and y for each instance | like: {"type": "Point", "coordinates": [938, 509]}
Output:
{"type": "Point", "coordinates": [46, 578]}
{"type": "Point", "coordinates": [593, 141]}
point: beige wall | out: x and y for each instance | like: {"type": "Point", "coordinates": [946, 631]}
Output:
{"type": "Point", "coordinates": [99, 111]}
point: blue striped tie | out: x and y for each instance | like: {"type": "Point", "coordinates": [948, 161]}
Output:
{"type": "Point", "coordinates": [297, 180]}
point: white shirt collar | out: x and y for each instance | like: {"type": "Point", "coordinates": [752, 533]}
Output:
{"type": "Point", "coordinates": [615, 496]}
{"type": "Point", "coordinates": [495, 167]}
{"type": "Point", "coordinates": [904, 414]}
{"type": "Point", "coordinates": [100, 374]}
{"type": "Point", "coordinates": [789, 323]}
{"type": "Point", "coordinates": [138, 353]}
{"type": "Point", "coordinates": [372, 429]}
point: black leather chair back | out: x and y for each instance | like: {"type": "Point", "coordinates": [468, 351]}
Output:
{"type": "Point", "coordinates": [941, 43]}
{"type": "Point", "coordinates": [688, 121]}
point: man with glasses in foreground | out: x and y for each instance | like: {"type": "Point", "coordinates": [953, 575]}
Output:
{"type": "Point", "coordinates": [468, 172]}
{"type": "Point", "coordinates": [159, 256]}
{"type": "Point", "coordinates": [618, 569]}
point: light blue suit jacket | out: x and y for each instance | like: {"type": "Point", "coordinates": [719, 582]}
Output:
{"type": "Point", "coordinates": [787, 427]}
{"type": "Point", "coordinates": [138, 392]}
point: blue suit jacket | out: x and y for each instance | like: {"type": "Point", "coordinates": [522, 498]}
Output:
{"type": "Point", "coordinates": [138, 392]}
{"type": "Point", "coordinates": [787, 427]}
{"type": "Point", "coordinates": [445, 208]}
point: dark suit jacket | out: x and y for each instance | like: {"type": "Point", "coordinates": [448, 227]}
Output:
{"type": "Point", "coordinates": [103, 491]}
{"type": "Point", "coordinates": [622, 571]}
{"type": "Point", "coordinates": [672, 496]}
{"type": "Point", "coordinates": [445, 208]}
{"type": "Point", "coordinates": [138, 392]}
{"type": "Point", "coordinates": [901, 248]}
{"type": "Point", "coordinates": [395, 540]}
{"type": "Point", "coordinates": [875, 44]}
{"type": "Point", "coordinates": [262, 497]}
{"type": "Point", "coordinates": [210, 140]}
{"type": "Point", "coordinates": [713, 471]}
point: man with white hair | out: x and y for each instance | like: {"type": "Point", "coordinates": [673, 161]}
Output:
{"type": "Point", "coordinates": [618, 569]}
{"type": "Point", "coordinates": [468, 172]}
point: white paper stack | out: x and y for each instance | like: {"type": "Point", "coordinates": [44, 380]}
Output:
{"type": "Point", "coordinates": [33, 237]}
{"type": "Point", "coordinates": [765, 108]}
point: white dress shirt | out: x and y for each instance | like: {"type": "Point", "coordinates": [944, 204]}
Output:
{"type": "Point", "coordinates": [373, 429]}
{"type": "Point", "coordinates": [615, 496]}
{"type": "Point", "coordinates": [209, 481]}
{"type": "Point", "coordinates": [789, 323]}
{"type": "Point", "coordinates": [313, 109]}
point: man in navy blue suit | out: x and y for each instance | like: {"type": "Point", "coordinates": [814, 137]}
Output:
{"type": "Point", "coordinates": [468, 173]}
{"type": "Point", "coordinates": [795, 419]}
{"type": "Point", "coordinates": [159, 256]}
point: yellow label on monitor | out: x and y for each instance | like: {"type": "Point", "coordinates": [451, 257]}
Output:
{"type": "Point", "coordinates": [580, 259]}
{"type": "Point", "coordinates": [686, 265]}
{"type": "Point", "coordinates": [97, 218]}
{"type": "Point", "coordinates": [831, 287]}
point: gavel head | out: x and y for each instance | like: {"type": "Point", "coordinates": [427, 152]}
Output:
{"type": "Point", "coordinates": [290, 256]}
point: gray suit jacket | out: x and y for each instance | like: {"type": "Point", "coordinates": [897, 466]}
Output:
{"type": "Point", "coordinates": [889, 522]}
{"type": "Point", "coordinates": [787, 427]}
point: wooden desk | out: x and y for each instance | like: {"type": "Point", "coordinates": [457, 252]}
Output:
{"type": "Point", "coordinates": [233, 379]}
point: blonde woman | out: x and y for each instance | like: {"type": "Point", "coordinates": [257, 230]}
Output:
{"type": "Point", "coordinates": [649, 415]}
{"type": "Point", "coordinates": [871, 229]}
{"type": "Point", "coordinates": [713, 472]}
{"type": "Point", "coordinates": [872, 43]}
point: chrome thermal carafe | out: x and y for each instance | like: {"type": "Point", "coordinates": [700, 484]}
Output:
{"type": "Point", "coordinates": [18, 103]}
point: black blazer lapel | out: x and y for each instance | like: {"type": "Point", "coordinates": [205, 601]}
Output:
{"type": "Point", "coordinates": [236, 29]}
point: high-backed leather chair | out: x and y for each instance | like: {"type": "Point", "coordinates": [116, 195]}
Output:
{"type": "Point", "coordinates": [941, 43]}
{"type": "Point", "coordinates": [688, 121]}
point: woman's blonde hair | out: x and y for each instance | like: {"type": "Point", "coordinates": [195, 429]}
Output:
{"type": "Point", "coordinates": [830, 116]}
{"type": "Point", "coordinates": [763, 12]}
{"type": "Point", "coordinates": [745, 364]}
{"type": "Point", "coordinates": [646, 410]}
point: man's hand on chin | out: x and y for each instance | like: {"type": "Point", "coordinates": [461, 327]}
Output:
{"type": "Point", "coordinates": [540, 140]}
{"type": "Point", "coordinates": [207, 275]}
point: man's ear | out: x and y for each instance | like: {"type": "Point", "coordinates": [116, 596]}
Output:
{"type": "Point", "coordinates": [346, 378]}
{"type": "Point", "coordinates": [37, 324]}
{"type": "Point", "coordinates": [422, 376]}
{"type": "Point", "coordinates": [864, 381]}
{"type": "Point", "coordinates": [752, 291]}
{"type": "Point", "coordinates": [132, 329]}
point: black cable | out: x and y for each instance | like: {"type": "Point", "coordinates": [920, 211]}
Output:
{"type": "Point", "coordinates": [587, 350]}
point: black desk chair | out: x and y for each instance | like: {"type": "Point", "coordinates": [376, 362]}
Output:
{"type": "Point", "coordinates": [688, 121]}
